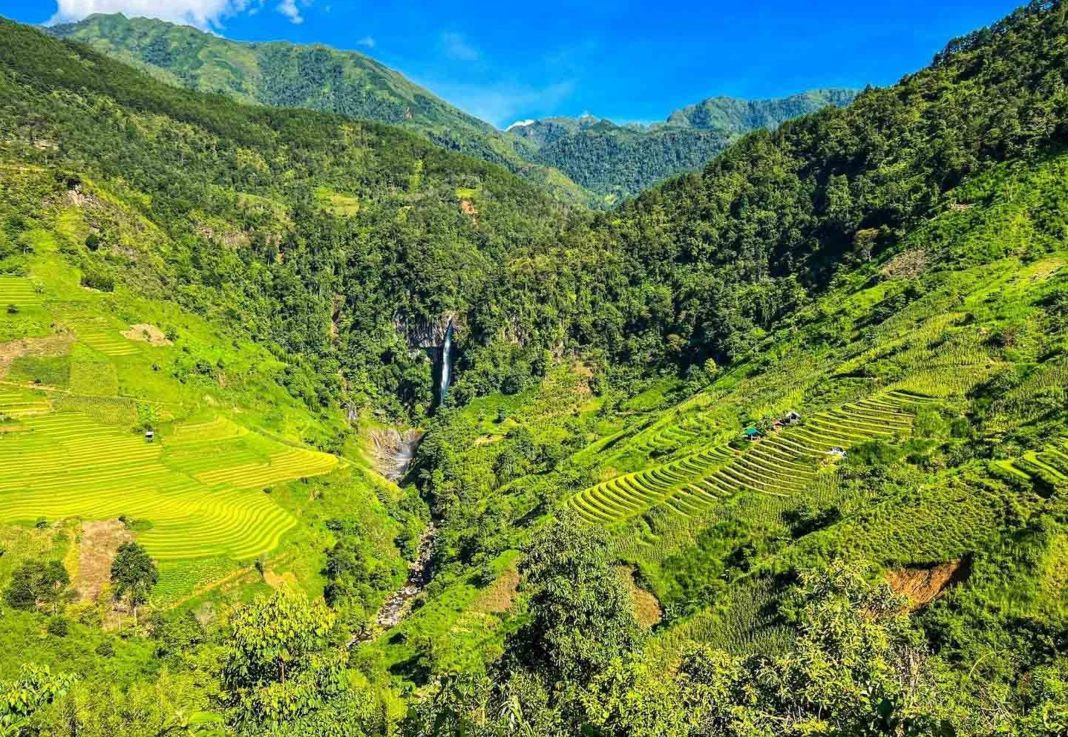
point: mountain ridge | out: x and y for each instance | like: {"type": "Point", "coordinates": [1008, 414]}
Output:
{"type": "Point", "coordinates": [582, 160]}
{"type": "Point", "coordinates": [284, 74]}
{"type": "Point", "coordinates": [619, 161]}
{"type": "Point", "coordinates": [779, 447]}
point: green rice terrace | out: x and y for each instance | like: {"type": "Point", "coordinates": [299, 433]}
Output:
{"type": "Point", "coordinates": [784, 463]}
{"type": "Point", "coordinates": [105, 415]}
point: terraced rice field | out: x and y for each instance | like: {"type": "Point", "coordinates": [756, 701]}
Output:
{"type": "Point", "coordinates": [200, 505]}
{"type": "Point", "coordinates": [18, 291]}
{"type": "Point", "coordinates": [111, 344]}
{"type": "Point", "coordinates": [783, 464]}
{"type": "Point", "coordinates": [689, 430]}
{"type": "Point", "coordinates": [1050, 463]}
{"type": "Point", "coordinates": [14, 404]}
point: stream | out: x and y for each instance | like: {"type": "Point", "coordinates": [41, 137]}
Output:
{"type": "Point", "coordinates": [394, 452]}
{"type": "Point", "coordinates": [397, 605]}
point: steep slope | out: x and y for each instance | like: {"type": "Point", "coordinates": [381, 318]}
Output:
{"type": "Point", "coordinates": [894, 272]}
{"type": "Point", "coordinates": [317, 234]}
{"type": "Point", "coordinates": [939, 370]}
{"type": "Point", "coordinates": [88, 367]}
{"type": "Point", "coordinates": [775, 217]}
{"type": "Point", "coordinates": [917, 242]}
{"type": "Point", "coordinates": [620, 161]}
{"type": "Point", "coordinates": [312, 77]}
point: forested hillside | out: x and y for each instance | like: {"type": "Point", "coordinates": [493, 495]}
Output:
{"type": "Point", "coordinates": [316, 234]}
{"type": "Point", "coordinates": [775, 448]}
{"type": "Point", "coordinates": [313, 77]}
{"type": "Point", "coordinates": [732, 115]}
{"type": "Point", "coordinates": [618, 162]}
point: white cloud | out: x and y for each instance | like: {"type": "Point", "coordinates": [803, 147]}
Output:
{"type": "Point", "coordinates": [457, 47]}
{"type": "Point", "coordinates": [200, 13]}
{"type": "Point", "coordinates": [290, 10]}
{"type": "Point", "coordinates": [204, 14]}
{"type": "Point", "coordinates": [367, 42]}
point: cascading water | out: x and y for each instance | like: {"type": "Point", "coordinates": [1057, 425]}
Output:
{"type": "Point", "coordinates": [446, 368]}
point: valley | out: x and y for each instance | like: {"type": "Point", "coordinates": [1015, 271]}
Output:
{"type": "Point", "coordinates": [320, 418]}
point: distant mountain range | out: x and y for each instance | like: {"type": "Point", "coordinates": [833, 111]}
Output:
{"type": "Point", "coordinates": [619, 161]}
{"type": "Point", "coordinates": [281, 74]}
{"type": "Point", "coordinates": [583, 160]}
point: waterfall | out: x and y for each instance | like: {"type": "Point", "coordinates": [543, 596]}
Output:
{"type": "Point", "coordinates": [446, 350]}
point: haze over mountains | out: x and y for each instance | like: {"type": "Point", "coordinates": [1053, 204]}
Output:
{"type": "Point", "coordinates": [580, 160]}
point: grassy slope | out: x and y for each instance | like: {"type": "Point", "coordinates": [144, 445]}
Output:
{"type": "Point", "coordinates": [312, 77]}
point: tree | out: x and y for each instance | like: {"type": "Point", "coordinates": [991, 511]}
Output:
{"type": "Point", "coordinates": [581, 615]}
{"type": "Point", "coordinates": [133, 574]}
{"type": "Point", "coordinates": [38, 585]}
{"type": "Point", "coordinates": [856, 668]}
{"type": "Point", "coordinates": [172, 705]}
{"type": "Point", "coordinates": [21, 700]}
{"type": "Point", "coordinates": [281, 674]}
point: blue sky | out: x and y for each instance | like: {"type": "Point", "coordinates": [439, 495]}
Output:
{"type": "Point", "coordinates": [628, 60]}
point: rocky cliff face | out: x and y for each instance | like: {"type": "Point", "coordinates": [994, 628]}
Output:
{"type": "Point", "coordinates": [425, 334]}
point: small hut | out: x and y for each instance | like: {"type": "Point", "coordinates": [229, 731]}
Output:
{"type": "Point", "coordinates": [752, 434]}
{"type": "Point", "coordinates": [150, 436]}
{"type": "Point", "coordinates": [837, 452]}
{"type": "Point", "coordinates": [792, 418]}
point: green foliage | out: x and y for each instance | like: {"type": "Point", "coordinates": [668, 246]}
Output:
{"type": "Point", "coordinates": [742, 116]}
{"type": "Point", "coordinates": [133, 574]}
{"type": "Point", "coordinates": [22, 699]}
{"type": "Point", "coordinates": [282, 676]}
{"type": "Point", "coordinates": [38, 585]}
{"type": "Point", "coordinates": [618, 162]}
{"type": "Point", "coordinates": [354, 574]}
{"type": "Point", "coordinates": [290, 76]}
{"type": "Point", "coordinates": [856, 668]}
{"type": "Point", "coordinates": [580, 612]}
{"type": "Point", "coordinates": [893, 270]}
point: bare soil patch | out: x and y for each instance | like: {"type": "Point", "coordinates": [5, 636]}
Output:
{"type": "Point", "coordinates": [280, 581]}
{"type": "Point", "coordinates": [906, 265]}
{"type": "Point", "coordinates": [53, 345]}
{"type": "Point", "coordinates": [467, 207]}
{"type": "Point", "coordinates": [499, 595]}
{"type": "Point", "coordinates": [923, 585]}
{"type": "Point", "coordinates": [146, 333]}
{"type": "Point", "coordinates": [647, 607]}
{"type": "Point", "coordinates": [96, 549]}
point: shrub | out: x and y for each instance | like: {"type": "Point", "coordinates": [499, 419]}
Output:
{"type": "Point", "coordinates": [58, 627]}
{"type": "Point", "coordinates": [98, 280]}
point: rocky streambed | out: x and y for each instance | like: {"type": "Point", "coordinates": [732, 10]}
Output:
{"type": "Point", "coordinates": [397, 605]}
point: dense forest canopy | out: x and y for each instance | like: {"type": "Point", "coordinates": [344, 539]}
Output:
{"type": "Point", "coordinates": [618, 162]}
{"type": "Point", "coordinates": [314, 77]}
{"type": "Point", "coordinates": [579, 161]}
